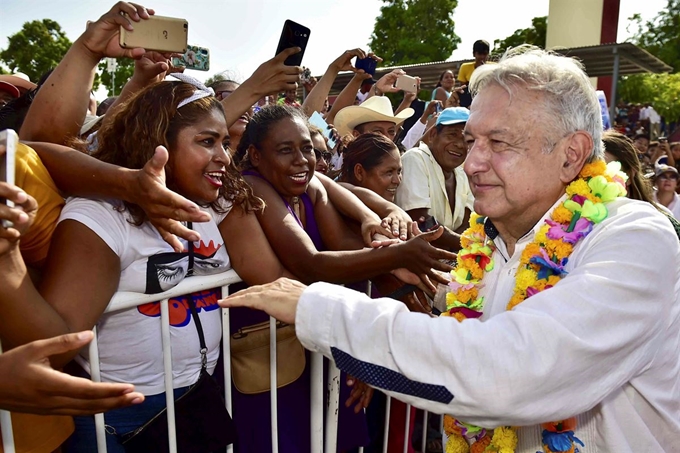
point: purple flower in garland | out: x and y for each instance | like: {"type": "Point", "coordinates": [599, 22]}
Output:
{"type": "Point", "coordinates": [558, 231]}
{"type": "Point", "coordinates": [548, 266]}
{"type": "Point", "coordinates": [531, 291]}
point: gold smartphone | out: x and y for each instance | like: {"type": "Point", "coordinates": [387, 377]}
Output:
{"type": "Point", "coordinates": [163, 34]}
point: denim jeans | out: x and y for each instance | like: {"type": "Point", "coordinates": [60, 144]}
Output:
{"type": "Point", "coordinates": [118, 422]}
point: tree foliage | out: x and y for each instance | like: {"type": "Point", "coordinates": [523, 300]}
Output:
{"type": "Point", "coordinates": [534, 35]}
{"type": "Point", "coordinates": [38, 47]}
{"type": "Point", "coordinates": [662, 90]}
{"type": "Point", "coordinates": [124, 70]}
{"type": "Point", "coordinates": [414, 31]}
{"type": "Point", "coordinates": [660, 36]}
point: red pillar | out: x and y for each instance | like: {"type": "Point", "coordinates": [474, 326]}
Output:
{"type": "Point", "coordinates": [610, 25]}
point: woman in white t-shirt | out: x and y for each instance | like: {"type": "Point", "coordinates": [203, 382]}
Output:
{"type": "Point", "coordinates": [104, 246]}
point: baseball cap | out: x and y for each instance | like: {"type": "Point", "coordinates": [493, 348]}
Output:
{"type": "Point", "coordinates": [453, 115]}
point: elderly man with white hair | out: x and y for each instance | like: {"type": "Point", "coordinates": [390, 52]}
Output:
{"type": "Point", "coordinates": [562, 328]}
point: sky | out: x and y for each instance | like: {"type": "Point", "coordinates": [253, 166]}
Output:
{"type": "Point", "coordinates": [241, 34]}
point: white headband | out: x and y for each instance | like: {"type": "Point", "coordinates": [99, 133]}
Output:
{"type": "Point", "coordinates": [201, 90]}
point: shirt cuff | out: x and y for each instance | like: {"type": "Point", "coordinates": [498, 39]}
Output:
{"type": "Point", "coordinates": [314, 315]}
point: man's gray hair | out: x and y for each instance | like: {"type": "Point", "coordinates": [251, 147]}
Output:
{"type": "Point", "coordinates": [570, 100]}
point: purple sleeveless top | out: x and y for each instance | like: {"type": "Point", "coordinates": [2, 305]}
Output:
{"type": "Point", "coordinates": [312, 228]}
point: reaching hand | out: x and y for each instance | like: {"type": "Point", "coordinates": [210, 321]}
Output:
{"type": "Point", "coordinates": [102, 37]}
{"type": "Point", "coordinates": [21, 215]}
{"type": "Point", "coordinates": [398, 221]}
{"type": "Point", "coordinates": [152, 67]}
{"type": "Point", "coordinates": [165, 208]}
{"type": "Point", "coordinates": [278, 299]}
{"type": "Point", "coordinates": [430, 110]}
{"type": "Point", "coordinates": [344, 61]}
{"type": "Point", "coordinates": [29, 384]}
{"type": "Point", "coordinates": [371, 227]}
{"type": "Point", "coordinates": [386, 83]}
{"type": "Point", "coordinates": [361, 394]}
{"type": "Point", "coordinates": [421, 258]}
{"type": "Point", "coordinates": [273, 76]}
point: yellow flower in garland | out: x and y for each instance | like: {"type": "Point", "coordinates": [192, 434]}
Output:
{"type": "Point", "coordinates": [578, 187]}
{"type": "Point", "coordinates": [504, 440]}
{"type": "Point", "coordinates": [593, 169]}
{"type": "Point", "coordinates": [562, 215]}
{"type": "Point", "coordinates": [525, 278]}
{"type": "Point", "coordinates": [457, 444]}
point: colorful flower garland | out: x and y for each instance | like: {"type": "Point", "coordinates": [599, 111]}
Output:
{"type": "Point", "coordinates": [542, 266]}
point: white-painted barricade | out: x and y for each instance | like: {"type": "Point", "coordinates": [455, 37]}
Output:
{"type": "Point", "coordinates": [319, 436]}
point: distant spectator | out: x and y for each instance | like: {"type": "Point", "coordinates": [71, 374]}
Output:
{"type": "Point", "coordinates": [480, 52]}
{"type": "Point", "coordinates": [363, 92]}
{"type": "Point", "coordinates": [289, 98]}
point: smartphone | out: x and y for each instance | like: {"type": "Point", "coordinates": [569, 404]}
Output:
{"type": "Point", "coordinates": [317, 120]}
{"type": "Point", "coordinates": [163, 34]}
{"type": "Point", "coordinates": [407, 83]}
{"type": "Point", "coordinates": [8, 148]}
{"type": "Point", "coordinates": [663, 139]}
{"type": "Point", "coordinates": [429, 224]}
{"type": "Point", "coordinates": [293, 35]}
{"type": "Point", "coordinates": [368, 64]}
{"type": "Point", "coordinates": [197, 58]}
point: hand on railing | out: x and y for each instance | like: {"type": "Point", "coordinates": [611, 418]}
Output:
{"type": "Point", "coordinates": [361, 394]}
{"type": "Point", "coordinates": [278, 299]}
{"type": "Point", "coordinates": [29, 384]}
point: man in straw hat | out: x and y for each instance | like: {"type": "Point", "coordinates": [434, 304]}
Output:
{"type": "Point", "coordinates": [373, 115]}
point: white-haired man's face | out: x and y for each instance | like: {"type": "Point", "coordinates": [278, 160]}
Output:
{"type": "Point", "coordinates": [513, 180]}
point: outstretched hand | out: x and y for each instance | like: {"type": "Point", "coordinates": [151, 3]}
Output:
{"type": "Point", "coordinates": [386, 83]}
{"type": "Point", "coordinates": [361, 394]}
{"type": "Point", "coordinates": [273, 76]}
{"type": "Point", "coordinates": [165, 208]}
{"type": "Point", "coordinates": [278, 299]}
{"type": "Point", "coordinates": [29, 384]}
{"type": "Point", "coordinates": [101, 38]}
{"type": "Point", "coordinates": [421, 257]}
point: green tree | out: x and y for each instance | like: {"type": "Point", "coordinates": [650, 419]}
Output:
{"type": "Point", "coordinates": [124, 70]}
{"type": "Point", "coordinates": [662, 90]}
{"type": "Point", "coordinates": [414, 31]}
{"type": "Point", "coordinates": [534, 35]}
{"type": "Point", "coordinates": [660, 36]}
{"type": "Point", "coordinates": [38, 47]}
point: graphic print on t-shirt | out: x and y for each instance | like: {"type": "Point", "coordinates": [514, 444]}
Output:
{"type": "Point", "coordinates": [166, 270]}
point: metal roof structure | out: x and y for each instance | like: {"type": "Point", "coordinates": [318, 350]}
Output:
{"type": "Point", "coordinates": [600, 60]}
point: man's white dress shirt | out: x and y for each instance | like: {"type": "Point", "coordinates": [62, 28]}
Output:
{"type": "Point", "coordinates": [604, 343]}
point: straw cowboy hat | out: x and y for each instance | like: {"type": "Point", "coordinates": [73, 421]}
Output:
{"type": "Point", "coordinates": [19, 80]}
{"type": "Point", "coordinates": [376, 108]}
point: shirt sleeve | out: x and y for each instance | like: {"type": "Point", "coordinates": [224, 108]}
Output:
{"type": "Point", "coordinates": [558, 354]}
{"type": "Point", "coordinates": [413, 135]}
{"type": "Point", "coordinates": [414, 190]}
{"type": "Point", "coordinates": [104, 219]}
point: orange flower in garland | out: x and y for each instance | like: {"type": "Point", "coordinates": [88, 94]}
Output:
{"type": "Point", "coordinates": [542, 266]}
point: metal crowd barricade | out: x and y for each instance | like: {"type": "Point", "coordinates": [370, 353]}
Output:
{"type": "Point", "coordinates": [126, 300]}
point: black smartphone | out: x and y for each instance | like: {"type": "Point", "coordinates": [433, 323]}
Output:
{"type": "Point", "coordinates": [293, 35]}
{"type": "Point", "coordinates": [368, 64]}
{"type": "Point", "coordinates": [428, 225]}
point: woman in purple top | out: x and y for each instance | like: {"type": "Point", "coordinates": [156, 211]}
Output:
{"type": "Point", "coordinates": [310, 237]}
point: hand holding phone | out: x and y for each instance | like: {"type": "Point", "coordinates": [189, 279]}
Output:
{"type": "Point", "coordinates": [163, 34]}
{"type": "Point", "coordinates": [407, 83]}
{"type": "Point", "coordinates": [293, 35]}
{"type": "Point", "coordinates": [197, 58]}
{"type": "Point", "coordinates": [368, 64]}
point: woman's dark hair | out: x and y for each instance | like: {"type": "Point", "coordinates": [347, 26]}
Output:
{"type": "Point", "coordinates": [623, 150]}
{"type": "Point", "coordinates": [259, 126]}
{"type": "Point", "coordinates": [441, 76]}
{"type": "Point", "coordinates": [369, 150]}
{"type": "Point", "coordinates": [151, 118]}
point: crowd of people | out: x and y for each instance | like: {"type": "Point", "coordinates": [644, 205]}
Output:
{"type": "Point", "coordinates": [503, 187]}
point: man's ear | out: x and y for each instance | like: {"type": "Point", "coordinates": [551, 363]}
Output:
{"type": "Point", "coordinates": [254, 156]}
{"type": "Point", "coordinates": [577, 150]}
{"type": "Point", "coordinates": [355, 133]}
{"type": "Point", "coordinates": [359, 172]}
